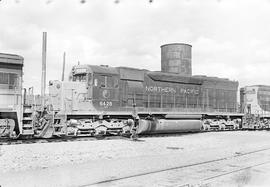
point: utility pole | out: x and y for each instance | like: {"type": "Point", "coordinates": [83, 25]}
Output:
{"type": "Point", "coordinates": [64, 64]}
{"type": "Point", "coordinates": [43, 76]}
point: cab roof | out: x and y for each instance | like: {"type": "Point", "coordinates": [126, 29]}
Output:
{"type": "Point", "coordinates": [98, 69]}
{"type": "Point", "coordinates": [11, 59]}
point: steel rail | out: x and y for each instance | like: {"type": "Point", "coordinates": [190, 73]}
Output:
{"type": "Point", "coordinates": [175, 168]}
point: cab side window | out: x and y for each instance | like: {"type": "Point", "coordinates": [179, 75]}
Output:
{"type": "Point", "coordinates": [106, 81]}
{"type": "Point", "coordinates": [103, 81]}
{"type": "Point", "coordinates": [110, 82]}
{"type": "Point", "coordinates": [13, 80]}
{"type": "Point", "coordinates": [79, 78]}
{"type": "Point", "coordinates": [9, 80]}
{"type": "Point", "coordinates": [3, 78]}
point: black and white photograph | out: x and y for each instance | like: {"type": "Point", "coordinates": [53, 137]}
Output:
{"type": "Point", "coordinates": [134, 93]}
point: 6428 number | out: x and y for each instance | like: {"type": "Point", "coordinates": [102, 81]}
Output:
{"type": "Point", "coordinates": [105, 104]}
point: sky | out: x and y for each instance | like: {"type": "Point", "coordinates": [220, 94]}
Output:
{"type": "Point", "coordinates": [229, 38]}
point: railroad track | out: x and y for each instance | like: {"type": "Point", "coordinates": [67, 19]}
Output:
{"type": "Point", "coordinates": [80, 138]}
{"type": "Point", "coordinates": [87, 138]}
{"type": "Point", "coordinates": [55, 140]}
{"type": "Point", "coordinates": [203, 163]}
{"type": "Point", "coordinates": [208, 180]}
{"type": "Point", "coordinates": [7, 141]}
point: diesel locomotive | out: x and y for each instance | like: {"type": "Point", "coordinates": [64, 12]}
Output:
{"type": "Point", "coordinates": [102, 99]}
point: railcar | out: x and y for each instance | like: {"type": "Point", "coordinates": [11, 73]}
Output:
{"type": "Point", "coordinates": [11, 111]}
{"type": "Point", "coordinates": [255, 103]}
{"type": "Point", "coordinates": [20, 115]}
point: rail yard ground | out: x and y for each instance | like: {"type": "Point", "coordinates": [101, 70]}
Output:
{"type": "Point", "coordinates": [233, 158]}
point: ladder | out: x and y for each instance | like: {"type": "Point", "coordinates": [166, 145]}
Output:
{"type": "Point", "coordinates": [60, 128]}
{"type": "Point", "coordinates": [27, 121]}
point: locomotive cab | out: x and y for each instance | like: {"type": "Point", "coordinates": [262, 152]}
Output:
{"type": "Point", "coordinates": [74, 95]}
{"type": "Point", "coordinates": [89, 88]}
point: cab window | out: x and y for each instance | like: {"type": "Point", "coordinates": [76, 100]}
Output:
{"type": "Point", "coordinates": [110, 82]}
{"type": "Point", "coordinates": [105, 81]}
{"type": "Point", "coordinates": [13, 80]}
{"type": "Point", "coordinates": [79, 78]}
{"type": "Point", "coordinates": [9, 80]}
{"type": "Point", "coordinates": [3, 78]}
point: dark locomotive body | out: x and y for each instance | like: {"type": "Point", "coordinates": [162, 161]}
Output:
{"type": "Point", "coordinates": [102, 92]}
{"type": "Point", "coordinates": [118, 89]}
{"type": "Point", "coordinates": [122, 92]}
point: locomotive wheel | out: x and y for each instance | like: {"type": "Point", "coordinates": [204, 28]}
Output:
{"type": "Point", "coordinates": [236, 127]}
{"type": "Point", "coordinates": [7, 128]}
{"type": "Point", "coordinates": [222, 127]}
{"type": "Point", "coordinates": [205, 128]}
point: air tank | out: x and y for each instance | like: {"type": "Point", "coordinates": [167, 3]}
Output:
{"type": "Point", "coordinates": [176, 58]}
{"type": "Point", "coordinates": [160, 126]}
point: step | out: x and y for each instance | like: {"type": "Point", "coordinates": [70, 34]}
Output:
{"type": "Point", "coordinates": [27, 114]}
{"type": "Point", "coordinates": [27, 126]}
{"type": "Point", "coordinates": [27, 132]}
{"type": "Point", "coordinates": [27, 106]}
{"type": "Point", "coordinates": [27, 119]}
{"type": "Point", "coordinates": [58, 126]}
{"type": "Point", "coordinates": [58, 118]}
{"type": "Point", "coordinates": [59, 134]}
{"type": "Point", "coordinates": [28, 110]}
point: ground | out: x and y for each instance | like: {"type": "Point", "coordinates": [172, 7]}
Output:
{"type": "Point", "coordinates": [239, 158]}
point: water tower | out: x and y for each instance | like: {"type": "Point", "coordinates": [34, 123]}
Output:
{"type": "Point", "coordinates": [176, 58]}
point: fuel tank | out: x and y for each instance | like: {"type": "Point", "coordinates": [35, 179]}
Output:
{"type": "Point", "coordinates": [161, 126]}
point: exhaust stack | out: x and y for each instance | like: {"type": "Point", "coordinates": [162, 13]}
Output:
{"type": "Point", "coordinates": [43, 76]}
